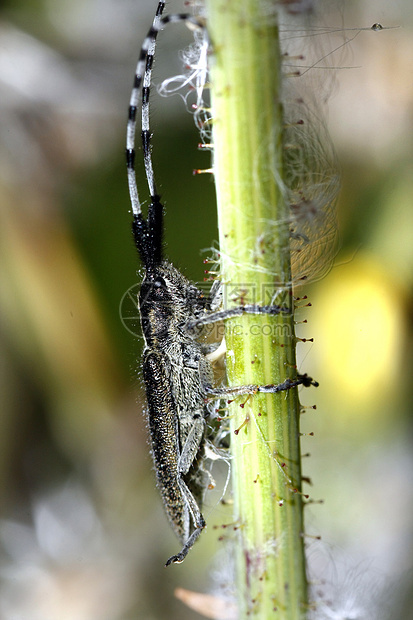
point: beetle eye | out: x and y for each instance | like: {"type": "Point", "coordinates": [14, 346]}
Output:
{"type": "Point", "coordinates": [159, 283]}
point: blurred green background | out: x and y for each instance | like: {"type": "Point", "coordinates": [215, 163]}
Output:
{"type": "Point", "coordinates": [82, 529]}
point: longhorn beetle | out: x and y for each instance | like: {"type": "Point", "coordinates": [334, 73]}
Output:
{"type": "Point", "coordinates": [177, 367]}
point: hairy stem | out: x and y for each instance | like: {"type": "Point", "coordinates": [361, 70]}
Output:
{"type": "Point", "coordinates": [248, 165]}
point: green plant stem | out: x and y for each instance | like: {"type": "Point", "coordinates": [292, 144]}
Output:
{"type": "Point", "coordinates": [254, 245]}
